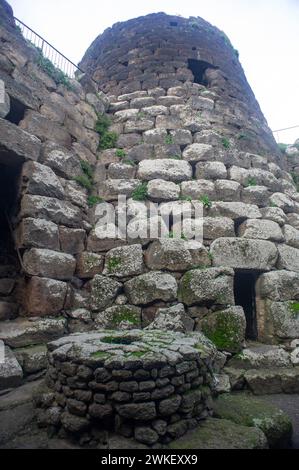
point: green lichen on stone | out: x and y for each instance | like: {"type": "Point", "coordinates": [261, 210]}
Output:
{"type": "Point", "coordinates": [125, 314]}
{"type": "Point", "coordinates": [99, 355]}
{"type": "Point", "coordinates": [294, 309]}
{"type": "Point", "coordinates": [223, 331]}
{"type": "Point", "coordinates": [246, 410]}
{"type": "Point", "coordinates": [113, 263]}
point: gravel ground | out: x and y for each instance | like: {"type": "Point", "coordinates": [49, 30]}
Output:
{"type": "Point", "coordinates": [289, 403]}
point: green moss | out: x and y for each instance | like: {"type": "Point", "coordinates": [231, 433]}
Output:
{"type": "Point", "coordinates": [251, 181]}
{"type": "Point", "coordinates": [185, 198]}
{"type": "Point", "coordinates": [223, 331]}
{"type": "Point", "coordinates": [176, 157]}
{"type": "Point", "coordinates": [225, 143]}
{"type": "Point", "coordinates": [113, 263]}
{"type": "Point", "coordinates": [282, 147]}
{"type": "Point", "coordinates": [100, 355]}
{"type": "Point", "coordinates": [168, 139]}
{"type": "Point", "coordinates": [125, 314]}
{"type": "Point", "coordinates": [93, 200]}
{"type": "Point", "coordinates": [294, 309]}
{"type": "Point", "coordinates": [140, 192]}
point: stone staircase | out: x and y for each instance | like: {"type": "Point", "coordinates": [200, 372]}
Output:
{"type": "Point", "coordinates": [265, 369]}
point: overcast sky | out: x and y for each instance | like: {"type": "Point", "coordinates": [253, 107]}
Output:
{"type": "Point", "coordinates": [265, 32]}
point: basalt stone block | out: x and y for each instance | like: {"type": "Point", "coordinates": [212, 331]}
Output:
{"type": "Point", "coordinates": [41, 180]}
{"type": "Point", "coordinates": [103, 292]}
{"type": "Point", "coordinates": [89, 264]}
{"type": "Point", "coordinates": [19, 142]}
{"type": "Point", "coordinates": [11, 373]}
{"type": "Point", "coordinates": [45, 296]}
{"type": "Point", "coordinates": [239, 253]}
{"type": "Point", "coordinates": [44, 129]}
{"type": "Point", "coordinates": [72, 240]}
{"type": "Point", "coordinates": [22, 332]}
{"type": "Point", "coordinates": [124, 261]}
{"type": "Point", "coordinates": [49, 208]}
{"type": "Point", "coordinates": [168, 169]}
{"type": "Point", "coordinates": [207, 285]}
{"type": "Point", "coordinates": [38, 233]}
{"type": "Point", "coordinates": [279, 285]}
{"type": "Point", "coordinates": [151, 286]}
{"type": "Point", "coordinates": [119, 316]}
{"type": "Point", "coordinates": [226, 328]}
{"type": "Point", "coordinates": [176, 254]}
{"type": "Point", "coordinates": [48, 263]}
{"type": "Point", "coordinates": [288, 258]}
{"type": "Point", "coordinates": [63, 161]}
{"type": "Point", "coordinates": [261, 229]}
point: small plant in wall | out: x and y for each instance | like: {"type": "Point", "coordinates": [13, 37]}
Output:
{"type": "Point", "coordinates": [107, 139]}
{"type": "Point", "coordinates": [251, 181]}
{"type": "Point", "coordinates": [120, 153]}
{"type": "Point", "coordinates": [168, 139]}
{"type": "Point", "coordinates": [92, 200]}
{"type": "Point", "coordinates": [140, 192]}
{"type": "Point", "coordinates": [225, 143]}
{"type": "Point", "coordinates": [113, 263]}
{"type": "Point", "coordinates": [205, 200]}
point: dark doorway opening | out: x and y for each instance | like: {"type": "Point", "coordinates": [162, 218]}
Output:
{"type": "Point", "coordinates": [244, 290]}
{"type": "Point", "coordinates": [198, 68]}
{"type": "Point", "coordinates": [9, 261]}
{"type": "Point", "coordinates": [17, 111]}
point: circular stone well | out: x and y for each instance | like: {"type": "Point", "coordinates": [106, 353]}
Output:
{"type": "Point", "coordinates": [149, 385]}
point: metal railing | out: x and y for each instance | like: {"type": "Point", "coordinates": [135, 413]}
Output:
{"type": "Point", "coordinates": [50, 52]}
{"type": "Point", "coordinates": [282, 130]}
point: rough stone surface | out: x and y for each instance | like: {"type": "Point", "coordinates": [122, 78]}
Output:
{"type": "Point", "coordinates": [11, 373]}
{"type": "Point", "coordinates": [167, 169]}
{"type": "Point", "coordinates": [207, 285]}
{"type": "Point", "coordinates": [246, 410]}
{"type": "Point", "coordinates": [48, 263]}
{"type": "Point", "coordinates": [244, 254]}
{"type": "Point", "coordinates": [151, 286]}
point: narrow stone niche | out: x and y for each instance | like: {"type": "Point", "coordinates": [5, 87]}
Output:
{"type": "Point", "coordinates": [245, 295]}
{"type": "Point", "coordinates": [10, 169]}
{"type": "Point", "coordinates": [198, 68]}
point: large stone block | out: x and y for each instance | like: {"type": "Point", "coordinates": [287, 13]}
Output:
{"type": "Point", "coordinates": [288, 258]}
{"type": "Point", "coordinates": [44, 129]}
{"type": "Point", "coordinates": [119, 317]}
{"type": "Point", "coordinates": [239, 253]}
{"type": "Point", "coordinates": [216, 227]}
{"type": "Point", "coordinates": [225, 328]}
{"type": "Point", "coordinates": [235, 210]}
{"type": "Point", "coordinates": [151, 286]}
{"type": "Point", "coordinates": [198, 189]}
{"type": "Point", "coordinates": [279, 320]}
{"type": "Point", "coordinates": [72, 240]}
{"type": "Point", "coordinates": [103, 292]}
{"type": "Point", "coordinates": [33, 358]}
{"type": "Point", "coordinates": [201, 286]}
{"type": "Point", "coordinates": [167, 169]}
{"type": "Point", "coordinates": [198, 152]}
{"type": "Point", "coordinates": [64, 162]}
{"type": "Point", "coordinates": [172, 318]}
{"type": "Point", "coordinates": [49, 263]}
{"type": "Point", "coordinates": [262, 229]}
{"type": "Point", "coordinates": [278, 285]}
{"type": "Point", "coordinates": [176, 255]}
{"type": "Point", "coordinates": [41, 180]}
{"type": "Point", "coordinates": [89, 264]}
{"type": "Point", "coordinates": [124, 261]}
{"type": "Point", "coordinates": [11, 373]}
{"type": "Point", "coordinates": [160, 190]}
{"type": "Point", "coordinates": [21, 143]}
{"type": "Point", "coordinates": [38, 233]}
{"type": "Point", "coordinates": [49, 208]}
{"type": "Point", "coordinates": [23, 332]}
{"type": "Point", "coordinates": [45, 296]}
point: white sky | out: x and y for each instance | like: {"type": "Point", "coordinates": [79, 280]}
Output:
{"type": "Point", "coordinates": [265, 32]}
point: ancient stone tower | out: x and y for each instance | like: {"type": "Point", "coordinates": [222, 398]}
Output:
{"type": "Point", "coordinates": [163, 114]}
